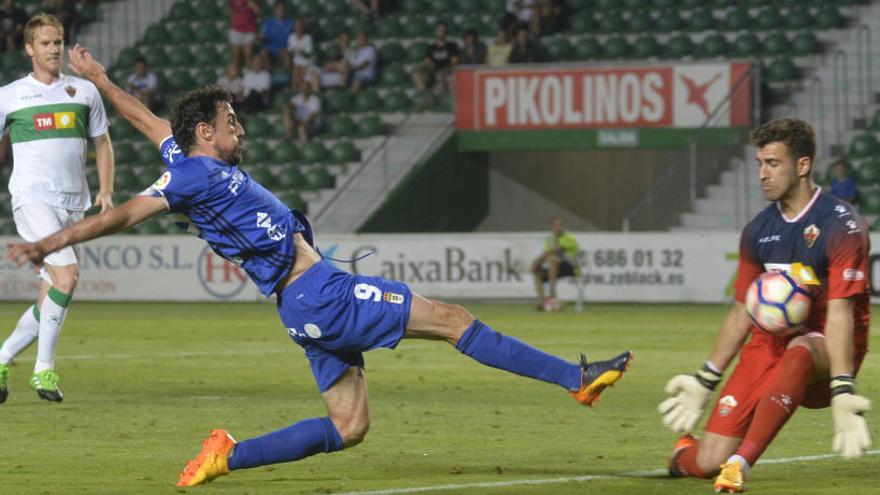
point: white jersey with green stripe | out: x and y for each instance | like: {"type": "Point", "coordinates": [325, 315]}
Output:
{"type": "Point", "coordinates": [49, 126]}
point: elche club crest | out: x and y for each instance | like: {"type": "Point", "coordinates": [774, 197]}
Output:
{"type": "Point", "coordinates": [71, 91]}
{"type": "Point", "coordinates": [811, 233]}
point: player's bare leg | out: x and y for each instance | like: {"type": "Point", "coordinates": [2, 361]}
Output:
{"type": "Point", "coordinates": [538, 278]}
{"type": "Point", "coordinates": [585, 381]}
{"type": "Point", "coordinates": [553, 264]}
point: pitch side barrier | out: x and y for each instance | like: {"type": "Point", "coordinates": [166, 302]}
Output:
{"type": "Point", "coordinates": [615, 267]}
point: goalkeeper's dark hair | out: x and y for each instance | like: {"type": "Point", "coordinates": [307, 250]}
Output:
{"type": "Point", "coordinates": [193, 108]}
{"type": "Point", "coordinates": [797, 135]}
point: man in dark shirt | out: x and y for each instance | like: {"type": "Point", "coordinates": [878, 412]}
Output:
{"type": "Point", "coordinates": [441, 57]}
{"type": "Point", "coordinates": [524, 50]}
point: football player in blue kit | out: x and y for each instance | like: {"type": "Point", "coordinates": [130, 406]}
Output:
{"type": "Point", "coordinates": [335, 316]}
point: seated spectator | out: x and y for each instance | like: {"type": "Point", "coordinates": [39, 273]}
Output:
{"type": "Point", "coordinates": [558, 260]}
{"type": "Point", "coordinates": [363, 64]}
{"type": "Point", "coordinates": [301, 51]}
{"type": "Point", "coordinates": [243, 30]}
{"type": "Point", "coordinates": [550, 14]}
{"type": "Point", "coordinates": [256, 83]}
{"type": "Point", "coordinates": [12, 21]}
{"type": "Point", "coordinates": [302, 114]}
{"type": "Point", "coordinates": [440, 58]}
{"type": "Point", "coordinates": [334, 73]}
{"type": "Point", "coordinates": [523, 51]}
{"type": "Point", "coordinates": [499, 51]}
{"type": "Point", "coordinates": [843, 186]}
{"type": "Point", "coordinates": [232, 81]}
{"type": "Point", "coordinates": [473, 52]}
{"type": "Point", "coordinates": [275, 31]}
{"type": "Point", "coordinates": [143, 84]}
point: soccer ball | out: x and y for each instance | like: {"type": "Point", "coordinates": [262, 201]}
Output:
{"type": "Point", "coordinates": [776, 302]}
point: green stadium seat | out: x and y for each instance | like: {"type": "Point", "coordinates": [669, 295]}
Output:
{"type": "Point", "coordinates": [156, 34]}
{"type": "Point", "coordinates": [416, 7]}
{"type": "Point", "coordinates": [369, 125]}
{"type": "Point", "coordinates": [387, 27]}
{"type": "Point", "coordinates": [700, 20]}
{"type": "Point", "coordinates": [122, 130]}
{"type": "Point", "coordinates": [314, 152]}
{"type": "Point", "coordinates": [340, 126]}
{"type": "Point", "coordinates": [318, 178]}
{"type": "Point", "coordinates": [805, 43]}
{"type": "Point", "coordinates": [260, 174]}
{"type": "Point", "coordinates": [828, 17]}
{"type": "Point", "coordinates": [154, 56]}
{"type": "Point", "coordinates": [290, 178]}
{"type": "Point", "coordinates": [776, 44]}
{"type": "Point", "coordinates": [470, 6]}
{"type": "Point", "coordinates": [870, 202]}
{"type": "Point", "coordinates": [615, 47]}
{"type": "Point", "coordinates": [123, 152]}
{"type": "Point", "coordinates": [415, 52]}
{"type": "Point", "coordinates": [391, 52]}
{"type": "Point", "coordinates": [205, 76]}
{"type": "Point", "coordinates": [257, 127]}
{"type": "Point", "coordinates": [182, 10]}
{"type": "Point", "coordinates": [178, 56]}
{"type": "Point", "coordinates": [691, 4]}
{"type": "Point", "coordinates": [395, 101]}
{"type": "Point", "coordinates": [307, 8]}
{"type": "Point", "coordinates": [639, 22]}
{"type": "Point", "coordinates": [645, 47]}
{"type": "Point", "coordinates": [582, 22]}
{"type": "Point", "coordinates": [746, 45]}
{"type": "Point", "coordinates": [92, 178]}
{"type": "Point", "coordinates": [441, 6]}
{"type": "Point", "coordinates": [781, 69]}
{"type": "Point", "coordinates": [127, 57]}
{"type": "Point", "coordinates": [256, 153]}
{"type": "Point", "coordinates": [634, 5]}
{"type": "Point", "coordinates": [417, 27]}
{"type": "Point", "coordinates": [344, 152]}
{"type": "Point", "coordinates": [557, 50]}
{"type": "Point", "coordinates": [207, 56]}
{"type": "Point", "coordinates": [768, 19]}
{"type": "Point", "coordinates": [207, 32]}
{"type": "Point", "coordinates": [423, 101]}
{"type": "Point", "coordinates": [799, 18]}
{"type": "Point", "coordinates": [611, 21]}
{"type": "Point", "coordinates": [668, 21]}
{"type": "Point", "coordinates": [606, 5]}
{"type": "Point", "coordinates": [863, 146]}
{"type": "Point", "coordinates": [294, 201]}
{"type": "Point", "coordinates": [337, 101]}
{"type": "Point", "coordinates": [737, 19]}
{"type": "Point", "coordinates": [875, 226]}
{"type": "Point", "coordinates": [587, 49]}
{"type": "Point", "coordinates": [125, 179]}
{"type": "Point", "coordinates": [335, 7]}
{"type": "Point", "coordinates": [180, 35]}
{"type": "Point", "coordinates": [664, 4]}
{"type": "Point", "coordinates": [875, 122]}
{"type": "Point", "coordinates": [285, 153]}
{"type": "Point", "coordinates": [367, 101]}
{"type": "Point", "coordinates": [679, 46]}
{"type": "Point", "coordinates": [868, 173]}
{"type": "Point", "coordinates": [714, 45]}
{"type": "Point", "coordinates": [147, 154]}
{"type": "Point", "coordinates": [393, 75]}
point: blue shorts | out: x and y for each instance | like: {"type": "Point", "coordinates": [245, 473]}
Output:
{"type": "Point", "coordinates": [336, 316]}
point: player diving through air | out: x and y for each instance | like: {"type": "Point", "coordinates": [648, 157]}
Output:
{"type": "Point", "coordinates": [776, 374]}
{"type": "Point", "coordinates": [333, 315]}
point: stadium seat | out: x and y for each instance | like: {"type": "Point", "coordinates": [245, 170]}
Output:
{"type": "Point", "coordinates": [634, 5]}
{"type": "Point", "coordinates": [679, 46]}
{"type": "Point", "coordinates": [746, 45]}
{"type": "Point", "coordinates": [668, 21]}
{"type": "Point", "coordinates": [340, 126]}
{"type": "Point", "coordinates": [256, 152]}
{"type": "Point", "coordinates": [615, 47]}
{"type": "Point", "coordinates": [123, 152]}
{"type": "Point", "coordinates": [369, 125]}
{"type": "Point", "coordinates": [805, 43]}
{"type": "Point", "coordinates": [126, 180]}
{"type": "Point", "coordinates": [875, 226]}
{"type": "Point", "coordinates": [127, 57]}
{"type": "Point", "coordinates": [178, 56]}
{"type": "Point", "coordinates": [182, 10]}
{"type": "Point", "coordinates": [606, 5]}
{"type": "Point", "coordinates": [387, 27]}
{"type": "Point", "coordinates": [639, 22]}
{"type": "Point", "coordinates": [314, 152]}
{"type": "Point", "coordinates": [293, 200]}
{"type": "Point", "coordinates": [875, 122]}
{"type": "Point", "coordinates": [768, 19]}
{"type": "Point", "coordinates": [416, 7]}
{"type": "Point", "coordinates": [664, 4]}
{"type": "Point", "coordinates": [257, 127]}
{"type": "Point", "coordinates": [344, 152]}
{"type": "Point", "coordinates": [700, 20]}
{"type": "Point", "coordinates": [307, 8]}
{"type": "Point", "coordinates": [285, 152]}
{"type": "Point", "coordinates": [395, 101]}
{"type": "Point", "coordinates": [737, 19]}
{"type": "Point", "coordinates": [335, 7]}
{"type": "Point", "coordinates": [557, 50]}
{"type": "Point", "coordinates": [714, 45]}
{"type": "Point", "coordinates": [367, 101]}
{"type": "Point", "coordinates": [582, 22]}
{"type": "Point", "coordinates": [423, 101]}
{"type": "Point", "coordinates": [415, 52]}
{"type": "Point", "coordinates": [645, 47]}
{"type": "Point", "coordinates": [207, 32]}
{"type": "Point", "coordinates": [205, 76]}
{"type": "Point", "coordinates": [691, 4]}
{"type": "Point", "coordinates": [155, 34]}
{"type": "Point", "coordinates": [154, 56]}
{"type": "Point", "coordinates": [122, 130]}
{"type": "Point", "coordinates": [863, 146]}
{"type": "Point", "coordinates": [290, 178]}
{"type": "Point", "coordinates": [781, 69]}
{"type": "Point", "coordinates": [776, 44]}
{"type": "Point", "coordinates": [393, 75]}
{"type": "Point", "coordinates": [828, 17]}
{"type": "Point", "coordinates": [798, 18]}
{"type": "Point", "coordinates": [318, 178]}
{"type": "Point", "coordinates": [441, 6]}
{"type": "Point", "coordinates": [337, 101]}
{"type": "Point", "coordinates": [868, 173]}
{"type": "Point", "coordinates": [587, 49]}
{"type": "Point", "coordinates": [611, 21]}
{"type": "Point", "coordinates": [417, 27]}
{"type": "Point", "coordinates": [870, 202]}
{"type": "Point", "coordinates": [260, 174]}
{"type": "Point", "coordinates": [470, 6]}
{"type": "Point", "coordinates": [391, 51]}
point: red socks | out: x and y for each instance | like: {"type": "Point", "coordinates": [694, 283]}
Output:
{"type": "Point", "coordinates": [685, 463]}
{"type": "Point", "coordinates": [779, 402]}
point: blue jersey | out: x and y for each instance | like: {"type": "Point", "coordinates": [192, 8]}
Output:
{"type": "Point", "coordinates": [241, 220]}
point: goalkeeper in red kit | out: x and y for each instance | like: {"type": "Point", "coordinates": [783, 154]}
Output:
{"type": "Point", "coordinates": [826, 242]}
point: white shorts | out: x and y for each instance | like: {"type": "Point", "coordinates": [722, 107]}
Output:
{"type": "Point", "coordinates": [35, 221]}
{"type": "Point", "coordinates": [239, 38]}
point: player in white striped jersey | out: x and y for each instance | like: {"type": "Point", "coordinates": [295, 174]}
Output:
{"type": "Point", "coordinates": [50, 116]}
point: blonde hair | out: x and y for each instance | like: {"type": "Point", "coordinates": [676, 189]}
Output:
{"type": "Point", "coordinates": [40, 20]}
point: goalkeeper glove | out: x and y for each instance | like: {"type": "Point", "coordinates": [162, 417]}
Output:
{"type": "Point", "coordinates": [689, 396]}
{"type": "Point", "coordinates": [851, 434]}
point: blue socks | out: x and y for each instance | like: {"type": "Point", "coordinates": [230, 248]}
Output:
{"type": "Point", "coordinates": [300, 440]}
{"type": "Point", "coordinates": [493, 349]}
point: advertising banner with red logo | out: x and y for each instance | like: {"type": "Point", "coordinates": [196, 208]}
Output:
{"type": "Point", "coordinates": [571, 97]}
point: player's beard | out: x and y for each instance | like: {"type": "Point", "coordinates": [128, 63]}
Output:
{"type": "Point", "coordinates": [234, 157]}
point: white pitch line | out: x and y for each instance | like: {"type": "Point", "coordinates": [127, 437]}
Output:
{"type": "Point", "coordinates": [572, 479]}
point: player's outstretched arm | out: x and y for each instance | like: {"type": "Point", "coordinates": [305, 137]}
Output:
{"type": "Point", "coordinates": [154, 128]}
{"type": "Point", "coordinates": [688, 394]}
{"type": "Point", "coordinates": [129, 214]}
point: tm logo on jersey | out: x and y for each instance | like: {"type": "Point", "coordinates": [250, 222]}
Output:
{"type": "Point", "coordinates": [273, 231]}
{"type": "Point", "coordinates": [57, 120]}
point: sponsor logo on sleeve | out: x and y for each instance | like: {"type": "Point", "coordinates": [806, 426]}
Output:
{"type": "Point", "coordinates": [162, 182]}
{"type": "Point", "coordinates": [393, 298]}
{"type": "Point", "coordinates": [853, 275]}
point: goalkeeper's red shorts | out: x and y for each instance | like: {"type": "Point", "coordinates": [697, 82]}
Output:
{"type": "Point", "coordinates": [758, 366]}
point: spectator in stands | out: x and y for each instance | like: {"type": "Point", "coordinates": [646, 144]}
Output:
{"type": "Point", "coordinates": [550, 14]}
{"type": "Point", "coordinates": [275, 31]}
{"type": "Point", "coordinates": [232, 81]}
{"type": "Point", "coordinates": [12, 21]}
{"type": "Point", "coordinates": [524, 51]}
{"type": "Point", "coordinates": [499, 51]}
{"type": "Point", "coordinates": [842, 185]}
{"type": "Point", "coordinates": [558, 260]}
{"type": "Point", "coordinates": [243, 30]}
{"type": "Point", "coordinates": [256, 84]}
{"type": "Point", "coordinates": [302, 52]}
{"type": "Point", "coordinates": [302, 114]}
{"type": "Point", "coordinates": [473, 51]}
{"type": "Point", "coordinates": [363, 65]}
{"type": "Point", "coordinates": [335, 72]}
{"type": "Point", "coordinates": [143, 84]}
{"type": "Point", "coordinates": [518, 13]}
{"type": "Point", "coordinates": [67, 13]}
{"type": "Point", "coordinates": [440, 58]}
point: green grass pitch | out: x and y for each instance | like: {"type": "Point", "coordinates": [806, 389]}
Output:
{"type": "Point", "coordinates": [144, 384]}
